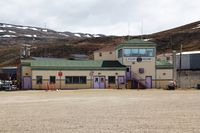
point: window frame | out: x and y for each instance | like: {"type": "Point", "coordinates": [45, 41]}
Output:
{"type": "Point", "coordinates": [50, 82]}
{"type": "Point", "coordinates": [38, 78]}
{"type": "Point", "coordinates": [120, 53]}
{"type": "Point", "coordinates": [113, 81]}
{"type": "Point", "coordinates": [78, 80]}
{"type": "Point", "coordinates": [71, 80]}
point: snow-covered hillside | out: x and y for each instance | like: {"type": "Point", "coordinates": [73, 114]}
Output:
{"type": "Point", "coordinates": [13, 31]}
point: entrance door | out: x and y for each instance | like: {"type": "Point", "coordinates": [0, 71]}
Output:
{"type": "Point", "coordinates": [96, 82]}
{"type": "Point", "coordinates": [128, 72]}
{"type": "Point", "coordinates": [102, 82]}
{"type": "Point", "coordinates": [99, 82]}
{"type": "Point", "coordinates": [27, 83]}
{"type": "Point", "coordinates": [148, 81]}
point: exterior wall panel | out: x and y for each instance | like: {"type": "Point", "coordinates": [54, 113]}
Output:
{"type": "Point", "coordinates": [106, 55]}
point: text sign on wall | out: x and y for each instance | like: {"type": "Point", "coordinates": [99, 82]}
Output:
{"type": "Point", "coordinates": [134, 59]}
{"type": "Point", "coordinates": [60, 74]}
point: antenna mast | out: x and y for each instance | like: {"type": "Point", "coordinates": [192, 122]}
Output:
{"type": "Point", "coordinates": [128, 31]}
{"type": "Point", "coordinates": [142, 29]}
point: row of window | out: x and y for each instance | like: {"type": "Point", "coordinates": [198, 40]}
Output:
{"type": "Point", "coordinates": [135, 52]}
{"type": "Point", "coordinates": [68, 79]}
{"type": "Point", "coordinates": [73, 79]}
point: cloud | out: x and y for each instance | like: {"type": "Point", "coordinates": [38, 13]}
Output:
{"type": "Point", "coordinates": [101, 16]}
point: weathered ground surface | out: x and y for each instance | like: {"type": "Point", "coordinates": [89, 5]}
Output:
{"type": "Point", "coordinates": [100, 111]}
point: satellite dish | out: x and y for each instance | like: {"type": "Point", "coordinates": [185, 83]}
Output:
{"type": "Point", "coordinates": [139, 59]}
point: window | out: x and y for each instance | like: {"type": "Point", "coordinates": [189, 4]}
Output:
{"type": "Point", "coordinates": [111, 79]}
{"type": "Point", "coordinates": [52, 79]}
{"type": "Point", "coordinates": [134, 52]}
{"type": "Point", "coordinates": [127, 52]}
{"type": "Point", "coordinates": [127, 69]}
{"type": "Point", "coordinates": [68, 80]}
{"type": "Point", "coordinates": [150, 52]}
{"type": "Point", "coordinates": [75, 80]}
{"type": "Point", "coordinates": [119, 53]}
{"type": "Point", "coordinates": [142, 52]}
{"type": "Point", "coordinates": [121, 80]}
{"type": "Point", "coordinates": [82, 80]}
{"type": "Point", "coordinates": [38, 79]}
{"type": "Point", "coordinates": [100, 54]}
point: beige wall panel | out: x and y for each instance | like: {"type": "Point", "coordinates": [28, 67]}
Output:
{"type": "Point", "coordinates": [164, 73]}
{"type": "Point", "coordinates": [26, 71]}
{"type": "Point", "coordinates": [106, 55]}
{"type": "Point", "coordinates": [149, 67]}
{"type": "Point", "coordinates": [45, 74]}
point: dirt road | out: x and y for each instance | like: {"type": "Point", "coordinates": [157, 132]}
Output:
{"type": "Point", "coordinates": [100, 111]}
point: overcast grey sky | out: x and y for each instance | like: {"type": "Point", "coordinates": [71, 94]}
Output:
{"type": "Point", "coordinates": [101, 16]}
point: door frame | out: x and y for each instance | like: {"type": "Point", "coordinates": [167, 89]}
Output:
{"type": "Point", "coordinates": [146, 77]}
{"type": "Point", "coordinates": [30, 82]}
{"type": "Point", "coordinates": [99, 78]}
{"type": "Point", "coordinates": [129, 72]}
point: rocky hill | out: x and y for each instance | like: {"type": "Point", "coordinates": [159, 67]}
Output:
{"type": "Point", "coordinates": [49, 43]}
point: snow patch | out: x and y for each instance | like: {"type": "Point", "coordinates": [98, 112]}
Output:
{"type": "Point", "coordinates": [95, 35]}
{"type": "Point", "coordinates": [2, 30]}
{"type": "Point", "coordinates": [148, 39]}
{"type": "Point", "coordinates": [8, 36]}
{"type": "Point", "coordinates": [20, 27]}
{"type": "Point", "coordinates": [6, 25]}
{"type": "Point", "coordinates": [33, 28]}
{"type": "Point", "coordinates": [63, 34]}
{"type": "Point", "coordinates": [87, 36]}
{"type": "Point", "coordinates": [78, 35]}
{"type": "Point", "coordinates": [28, 35]}
{"type": "Point", "coordinates": [197, 27]}
{"type": "Point", "coordinates": [45, 30]}
{"type": "Point", "coordinates": [10, 31]}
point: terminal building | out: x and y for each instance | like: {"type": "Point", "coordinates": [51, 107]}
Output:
{"type": "Point", "coordinates": [130, 65]}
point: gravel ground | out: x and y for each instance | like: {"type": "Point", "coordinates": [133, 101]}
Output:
{"type": "Point", "coordinates": [100, 111]}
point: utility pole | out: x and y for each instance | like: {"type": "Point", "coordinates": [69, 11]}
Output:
{"type": "Point", "coordinates": [180, 65]}
{"type": "Point", "coordinates": [174, 65]}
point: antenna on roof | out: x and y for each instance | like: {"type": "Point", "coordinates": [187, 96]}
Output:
{"type": "Point", "coordinates": [128, 31]}
{"type": "Point", "coordinates": [142, 29]}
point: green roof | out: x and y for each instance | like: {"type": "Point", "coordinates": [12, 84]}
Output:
{"type": "Point", "coordinates": [73, 64]}
{"type": "Point", "coordinates": [163, 64]}
{"type": "Point", "coordinates": [137, 43]}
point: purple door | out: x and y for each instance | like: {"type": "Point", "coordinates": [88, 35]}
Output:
{"type": "Point", "coordinates": [96, 82]}
{"type": "Point", "coordinates": [102, 82]}
{"type": "Point", "coordinates": [99, 82]}
{"type": "Point", "coordinates": [148, 81]}
{"type": "Point", "coordinates": [27, 83]}
{"type": "Point", "coordinates": [128, 72]}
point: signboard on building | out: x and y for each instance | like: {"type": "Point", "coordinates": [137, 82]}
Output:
{"type": "Point", "coordinates": [60, 74]}
{"type": "Point", "coordinates": [134, 59]}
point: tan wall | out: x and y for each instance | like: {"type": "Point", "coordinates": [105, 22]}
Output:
{"type": "Point", "coordinates": [149, 67]}
{"type": "Point", "coordinates": [89, 84]}
{"type": "Point", "coordinates": [26, 71]}
{"type": "Point", "coordinates": [164, 73]}
{"type": "Point", "coordinates": [162, 84]}
{"type": "Point", "coordinates": [163, 77]}
{"type": "Point", "coordinates": [106, 55]}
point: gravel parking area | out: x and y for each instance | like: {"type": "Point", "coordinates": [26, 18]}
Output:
{"type": "Point", "coordinates": [100, 111]}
